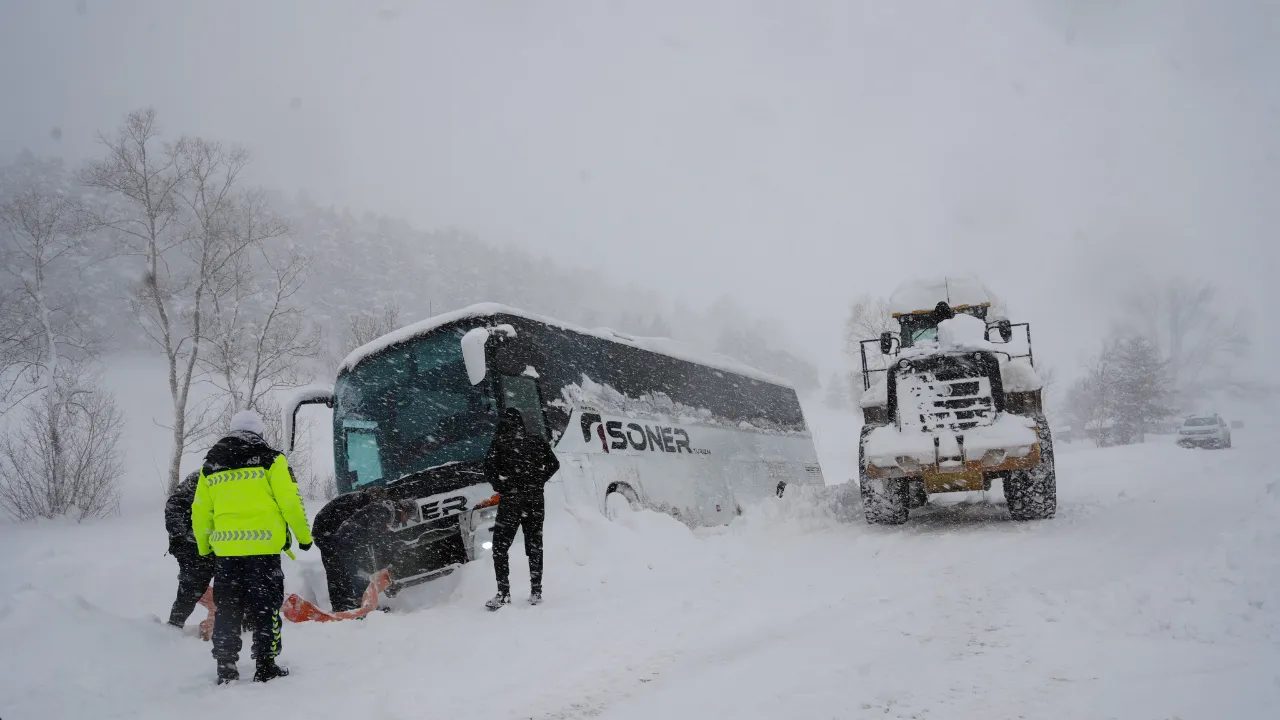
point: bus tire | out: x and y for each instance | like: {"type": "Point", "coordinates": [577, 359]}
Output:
{"type": "Point", "coordinates": [620, 498]}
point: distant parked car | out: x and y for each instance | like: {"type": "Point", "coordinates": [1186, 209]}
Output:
{"type": "Point", "coordinates": [1204, 431]}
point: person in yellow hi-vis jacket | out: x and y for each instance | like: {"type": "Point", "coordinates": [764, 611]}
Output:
{"type": "Point", "coordinates": [246, 503]}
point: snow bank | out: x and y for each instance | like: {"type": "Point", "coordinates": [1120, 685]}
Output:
{"type": "Point", "coordinates": [924, 294]}
{"type": "Point", "coordinates": [605, 399]}
{"type": "Point", "coordinates": [962, 331]}
{"type": "Point", "coordinates": [1147, 596]}
{"type": "Point", "coordinates": [1019, 375]}
{"type": "Point", "coordinates": [877, 395]}
{"type": "Point", "coordinates": [1013, 432]}
{"type": "Point", "coordinates": [661, 346]}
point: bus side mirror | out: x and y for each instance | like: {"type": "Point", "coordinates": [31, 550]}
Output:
{"type": "Point", "coordinates": [473, 354]}
{"type": "Point", "coordinates": [473, 349]}
{"type": "Point", "coordinates": [308, 395]}
{"type": "Point", "coordinates": [886, 343]}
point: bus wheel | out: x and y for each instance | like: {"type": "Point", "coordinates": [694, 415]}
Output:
{"type": "Point", "coordinates": [619, 501]}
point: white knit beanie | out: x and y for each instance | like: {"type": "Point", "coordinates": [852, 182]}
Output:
{"type": "Point", "coordinates": [248, 421]}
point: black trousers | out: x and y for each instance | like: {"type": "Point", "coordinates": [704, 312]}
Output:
{"type": "Point", "coordinates": [194, 576]}
{"type": "Point", "coordinates": [247, 590]}
{"type": "Point", "coordinates": [342, 573]}
{"type": "Point", "coordinates": [517, 511]}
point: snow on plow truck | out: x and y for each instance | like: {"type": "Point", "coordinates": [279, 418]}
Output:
{"type": "Point", "coordinates": [957, 404]}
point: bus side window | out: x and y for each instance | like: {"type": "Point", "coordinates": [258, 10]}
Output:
{"type": "Point", "coordinates": [522, 393]}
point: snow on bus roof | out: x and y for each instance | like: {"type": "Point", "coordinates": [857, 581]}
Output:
{"type": "Point", "coordinates": [662, 346]}
{"type": "Point", "coordinates": [924, 294]}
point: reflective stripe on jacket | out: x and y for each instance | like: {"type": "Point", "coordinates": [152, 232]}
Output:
{"type": "Point", "coordinates": [248, 510]}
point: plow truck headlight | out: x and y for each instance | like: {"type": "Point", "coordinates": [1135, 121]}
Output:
{"type": "Point", "coordinates": [885, 466]}
{"type": "Point", "coordinates": [909, 464]}
{"type": "Point", "coordinates": [1020, 451]}
{"type": "Point", "coordinates": [991, 458]}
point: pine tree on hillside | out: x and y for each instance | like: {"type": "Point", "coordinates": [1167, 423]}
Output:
{"type": "Point", "coordinates": [1143, 387]}
{"type": "Point", "coordinates": [837, 397]}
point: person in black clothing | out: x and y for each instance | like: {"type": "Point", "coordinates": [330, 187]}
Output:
{"type": "Point", "coordinates": [359, 548]}
{"type": "Point", "coordinates": [194, 572]}
{"type": "Point", "coordinates": [518, 466]}
{"type": "Point", "coordinates": [343, 592]}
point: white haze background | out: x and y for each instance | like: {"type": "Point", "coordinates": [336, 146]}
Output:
{"type": "Point", "coordinates": [788, 155]}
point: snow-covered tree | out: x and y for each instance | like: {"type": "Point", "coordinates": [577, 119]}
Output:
{"type": "Point", "coordinates": [62, 455]}
{"type": "Point", "coordinates": [1142, 385]}
{"type": "Point", "coordinates": [837, 393]}
{"type": "Point", "coordinates": [1199, 341]}
{"type": "Point", "coordinates": [179, 215]}
{"type": "Point", "coordinates": [869, 317]}
{"type": "Point", "coordinates": [1124, 390]}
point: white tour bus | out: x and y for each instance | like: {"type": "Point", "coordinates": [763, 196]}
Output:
{"type": "Point", "coordinates": [641, 421]}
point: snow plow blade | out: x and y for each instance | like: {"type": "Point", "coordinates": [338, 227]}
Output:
{"type": "Point", "coordinates": [298, 610]}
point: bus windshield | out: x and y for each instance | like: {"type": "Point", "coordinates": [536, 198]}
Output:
{"type": "Point", "coordinates": [408, 410]}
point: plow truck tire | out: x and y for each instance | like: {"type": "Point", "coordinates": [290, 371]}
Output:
{"type": "Point", "coordinates": [1033, 494]}
{"type": "Point", "coordinates": [884, 501]}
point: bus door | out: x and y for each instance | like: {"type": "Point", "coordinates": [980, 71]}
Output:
{"type": "Point", "coordinates": [521, 392]}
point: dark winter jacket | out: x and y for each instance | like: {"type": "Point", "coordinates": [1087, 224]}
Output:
{"type": "Point", "coordinates": [177, 516]}
{"type": "Point", "coordinates": [335, 513]}
{"type": "Point", "coordinates": [370, 524]}
{"type": "Point", "coordinates": [519, 463]}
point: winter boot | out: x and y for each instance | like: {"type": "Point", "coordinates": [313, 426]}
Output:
{"type": "Point", "coordinates": [498, 601]}
{"type": "Point", "coordinates": [227, 672]}
{"type": "Point", "coordinates": [268, 670]}
{"type": "Point", "coordinates": [535, 597]}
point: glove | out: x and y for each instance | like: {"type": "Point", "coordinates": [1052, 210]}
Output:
{"type": "Point", "coordinates": [304, 546]}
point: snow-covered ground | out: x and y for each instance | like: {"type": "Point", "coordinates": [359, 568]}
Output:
{"type": "Point", "coordinates": [1155, 593]}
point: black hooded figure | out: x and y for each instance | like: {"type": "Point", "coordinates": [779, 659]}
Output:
{"type": "Point", "coordinates": [195, 573]}
{"type": "Point", "coordinates": [519, 465]}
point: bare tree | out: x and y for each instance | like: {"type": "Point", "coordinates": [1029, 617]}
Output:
{"type": "Point", "coordinates": [868, 318]}
{"type": "Point", "coordinates": [257, 337]}
{"type": "Point", "coordinates": [63, 455]}
{"type": "Point", "coordinates": [19, 350]}
{"type": "Point", "coordinates": [366, 327]}
{"type": "Point", "coordinates": [1091, 399]}
{"type": "Point", "coordinates": [180, 221]}
{"type": "Point", "coordinates": [1199, 343]}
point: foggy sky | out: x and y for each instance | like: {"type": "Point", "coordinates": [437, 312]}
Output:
{"type": "Point", "coordinates": [789, 154]}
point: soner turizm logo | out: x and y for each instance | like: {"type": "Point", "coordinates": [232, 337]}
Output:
{"type": "Point", "coordinates": [617, 435]}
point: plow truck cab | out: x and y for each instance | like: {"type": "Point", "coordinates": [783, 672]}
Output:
{"type": "Point", "coordinates": [952, 403]}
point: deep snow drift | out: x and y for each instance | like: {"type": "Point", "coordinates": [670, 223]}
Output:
{"type": "Point", "coordinates": [1155, 593]}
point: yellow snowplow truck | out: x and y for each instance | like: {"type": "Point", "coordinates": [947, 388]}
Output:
{"type": "Point", "coordinates": [951, 404]}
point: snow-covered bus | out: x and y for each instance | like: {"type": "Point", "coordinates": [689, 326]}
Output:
{"type": "Point", "coordinates": [635, 421]}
